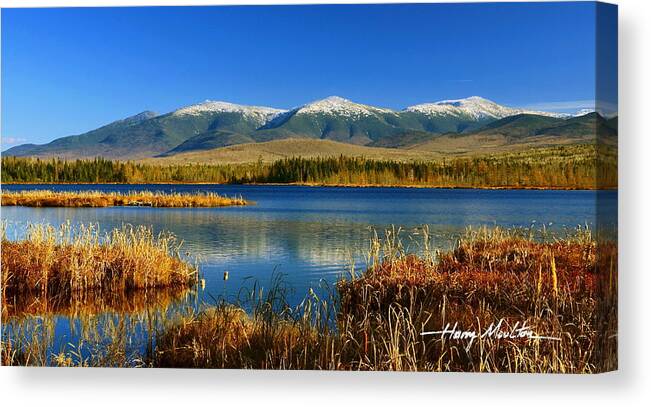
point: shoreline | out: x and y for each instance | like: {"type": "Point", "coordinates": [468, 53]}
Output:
{"type": "Point", "coordinates": [325, 185]}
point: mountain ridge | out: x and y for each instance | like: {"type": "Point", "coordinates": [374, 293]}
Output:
{"type": "Point", "coordinates": [214, 124]}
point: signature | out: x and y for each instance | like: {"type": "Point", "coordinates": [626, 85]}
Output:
{"type": "Point", "coordinates": [496, 331]}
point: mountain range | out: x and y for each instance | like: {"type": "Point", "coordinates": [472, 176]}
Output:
{"type": "Point", "coordinates": [449, 126]}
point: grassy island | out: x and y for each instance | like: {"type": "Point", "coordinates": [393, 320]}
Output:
{"type": "Point", "coordinates": [46, 198]}
{"type": "Point", "coordinates": [68, 262]}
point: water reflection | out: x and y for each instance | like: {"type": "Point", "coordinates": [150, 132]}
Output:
{"type": "Point", "coordinates": [93, 328]}
{"type": "Point", "coordinates": [92, 303]}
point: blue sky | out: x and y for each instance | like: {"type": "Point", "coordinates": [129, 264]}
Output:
{"type": "Point", "coordinates": [67, 71]}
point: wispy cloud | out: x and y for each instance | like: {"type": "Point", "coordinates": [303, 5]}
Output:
{"type": "Point", "coordinates": [11, 140]}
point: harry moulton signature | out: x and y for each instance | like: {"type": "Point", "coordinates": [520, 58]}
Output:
{"type": "Point", "coordinates": [496, 331]}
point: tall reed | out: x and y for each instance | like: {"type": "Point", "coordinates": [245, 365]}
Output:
{"type": "Point", "coordinates": [563, 289]}
{"type": "Point", "coordinates": [376, 321]}
{"type": "Point", "coordinates": [70, 260]}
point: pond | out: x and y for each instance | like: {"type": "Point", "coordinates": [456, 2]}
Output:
{"type": "Point", "coordinates": [312, 235]}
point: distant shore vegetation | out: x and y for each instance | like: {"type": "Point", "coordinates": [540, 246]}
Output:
{"type": "Point", "coordinates": [586, 166]}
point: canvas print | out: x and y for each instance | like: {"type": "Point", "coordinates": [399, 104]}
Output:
{"type": "Point", "coordinates": [403, 187]}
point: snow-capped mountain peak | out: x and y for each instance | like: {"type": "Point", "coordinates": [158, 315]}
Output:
{"type": "Point", "coordinates": [471, 100]}
{"type": "Point", "coordinates": [475, 107]}
{"type": "Point", "coordinates": [340, 106]}
{"type": "Point", "coordinates": [583, 112]}
{"type": "Point", "coordinates": [209, 106]}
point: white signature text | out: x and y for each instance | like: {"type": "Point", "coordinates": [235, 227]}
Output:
{"type": "Point", "coordinates": [495, 331]}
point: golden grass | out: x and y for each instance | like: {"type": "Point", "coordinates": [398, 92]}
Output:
{"type": "Point", "coordinates": [560, 288]}
{"type": "Point", "coordinates": [270, 151]}
{"type": "Point", "coordinates": [108, 282]}
{"type": "Point", "coordinates": [227, 337]}
{"type": "Point", "coordinates": [46, 198]}
{"type": "Point", "coordinates": [67, 261]}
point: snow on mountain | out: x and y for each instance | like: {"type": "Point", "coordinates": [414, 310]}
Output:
{"type": "Point", "coordinates": [583, 112]}
{"type": "Point", "coordinates": [339, 106]}
{"type": "Point", "coordinates": [471, 108]}
{"type": "Point", "coordinates": [474, 107]}
{"type": "Point", "coordinates": [260, 113]}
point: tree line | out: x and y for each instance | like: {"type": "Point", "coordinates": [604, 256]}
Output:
{"type": "Point", "coordinates": [585, 167]}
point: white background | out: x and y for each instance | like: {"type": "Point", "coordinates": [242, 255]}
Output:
{"type": "Point", "coordinates": [630, 386]}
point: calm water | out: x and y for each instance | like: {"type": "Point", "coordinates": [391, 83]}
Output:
{"type": "Point", "coordinates": [311, 233]}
